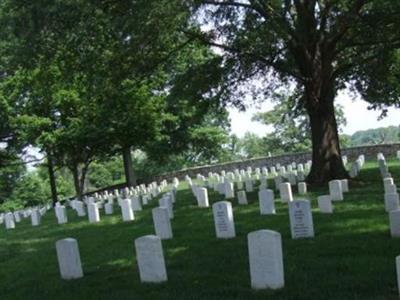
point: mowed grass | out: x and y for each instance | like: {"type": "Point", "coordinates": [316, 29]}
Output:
{"type": "Point", "coordinates": [351, 257]}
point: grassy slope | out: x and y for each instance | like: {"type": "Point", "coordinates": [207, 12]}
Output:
{"type": "Point", "coordinates": [351, 257]}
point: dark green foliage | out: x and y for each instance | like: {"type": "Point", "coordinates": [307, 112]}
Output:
{"type": "Point", "coordinates": [383, 135]}
{"type": "Point", "coordinates": [9, 176]}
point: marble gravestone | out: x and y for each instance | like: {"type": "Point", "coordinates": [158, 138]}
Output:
{"type": "Point", "coordinates": [167, 202]}
{"type": "Point", "coordinates": [249, 185]}
{"type": "Point", "coordinates": [61, 214]}
{"type": "Point", "coordinates": [301, 222]}
{"type": "Point", "coordinates": [325, 204]}
{"type": "Point", "coordinates": [242, 198]}
{"type": "Point", "coordinates": [162, 223]}
{"type": "Point", "coordinates": [229, 190]}
{"type": "Point", "coordinates": [126, 210]}
{"type": "Point", "coordinates": [394, 220]}
{"type": "Point", "coordinates": [345, 185]}
{"type": "Point", "coordinates": [302, 188]}
{"type": "Point", "coordinates": [80, 208]}
{"type": "Point", "coordinates": [9, 220]}
{"type": "Point", "coordinates": [267, 202]}
{"type": "Point", "coordinates": [35, 217]}
{"type": "Point", "coordinates": [335, 190]}
{"type": "Point", "coordinates": [387, 181]}
{"type": "Point", "coordinates": [69, 260]}
{"type": "Point", "coordinates": [285, 191]}
{"type": "Point", "coordinates": [223, 220]}
{"type": "Point", "coordinates": [150, 259]}
{"type": "Point", "coordinates": [17, 216]}
{"type": "Point", "coordinates": [93, 213]}
{"type": "Point", "coordinates": [136, 204]}
{"type": "Point", "coordinates": [398, 273]}
{"type": "Point", "coordinates": [266, 259]}
{"type": "Point", "coordinates": [108, 208]}
{"type": "Point", "coordinates": [202, 197]}
{"type": "Point", "coordinates": [390, 189]}
{"type": "Point", "coordinates": [391, 202]}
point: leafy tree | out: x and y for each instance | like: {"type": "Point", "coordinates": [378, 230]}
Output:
{"type": "Point", "coordinates": [100, 80]}
{"type": "Point", "coordinates": [375, 136]}
{"type": "Point", "coordinates": [9, 176]}
{"type": "Point", "coordinates": [317, 46]}
{"type": "Point", "coordinates": [29, 190]}
{"type": "Point", "coordinates": [291, 126]}
{"type": "Point", "coordinates": [251, 145]}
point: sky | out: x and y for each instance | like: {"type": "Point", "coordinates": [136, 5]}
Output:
{"type": "Point", "coordinates": [357, 115]}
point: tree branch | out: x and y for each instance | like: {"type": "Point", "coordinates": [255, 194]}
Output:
{"type": "Point", "coordinates": [345, 25]}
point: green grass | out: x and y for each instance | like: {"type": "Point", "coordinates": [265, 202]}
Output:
{"type": "Point", "coordinates": [351, 257]}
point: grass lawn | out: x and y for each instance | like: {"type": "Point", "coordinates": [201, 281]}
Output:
{"type": "Point", "coordinates": [351, 257]}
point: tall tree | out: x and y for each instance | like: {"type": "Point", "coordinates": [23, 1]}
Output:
{"type": "Point", "coordinates": [318, 46]}
{"type": "Point", "coordinates": [290, 125]}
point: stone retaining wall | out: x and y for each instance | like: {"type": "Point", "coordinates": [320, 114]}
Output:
{"type": "Point", "coordinates": [388, 150]}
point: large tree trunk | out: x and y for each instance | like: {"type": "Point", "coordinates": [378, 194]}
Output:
{"type": "Point", "coordinates": [327, 163]}
{"type": "Point", "coordinates": [79, 176]}
{"type": "Point", "coordinates": [75, 174]}
{"type": "Point", "coordinates": [128, 167]}
{"type": "Point", "coordinates": [52, 178]}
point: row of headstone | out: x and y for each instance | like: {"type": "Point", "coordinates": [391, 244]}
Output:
{"type": "Point", "coordinates": [264, 248]}
{"type": "Point", "coordinates": [357, 166]}
{"type": "Point", "coordinates": [391, 197]}
{"type": "Point", "coordinates": [10, 219]}
{"type": "Point", "coordinates": [300, 216]}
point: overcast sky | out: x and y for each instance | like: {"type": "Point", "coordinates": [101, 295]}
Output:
{"type": "Point", "coordinates": [356, 113]}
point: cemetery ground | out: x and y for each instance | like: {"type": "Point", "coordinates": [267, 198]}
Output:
{"type": "Point", "coordinates": [351, 257]}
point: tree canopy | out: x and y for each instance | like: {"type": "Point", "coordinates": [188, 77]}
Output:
{"type": "Point", "coordinates": [317, 47]}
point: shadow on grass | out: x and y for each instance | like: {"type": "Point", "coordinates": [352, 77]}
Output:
{"type": "Point", "coordinates": [351, 257]}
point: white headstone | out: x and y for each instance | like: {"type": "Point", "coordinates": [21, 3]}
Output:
{"type": "Point", "coordinates": [126, 210]}
{"type": "Point", "coordinates": [387, 181]}
{"type": "Point", "coordinates": [9, 220]}
{"type": "Point", "coordinates": [266, 259]}
{"type": "Point", "coordinates": [35, 217]}
{"type": "Point", "coordinates": [325, 204]}
{"type": "Point", "coordinates": [108, 208]}
{"type": "Point", "coordinates": [162, 223]}
{"type": "Point", "coordinates": [93, 213]}
{"type": "Point", "coordinates": [335, 190]}
{"type": "Point", "coordinates": [135, 204]}
{"type": "Point", "coordinates": [267, 204]}
{"type": "Point", "coordinates": [61, 214]}
{"type": "Point", "coordinates": [394, 220]}
{"type": "Point", "coordinates": [345, 185]}
{"type": "Point", "coordinates": [285, 191]}
{"type": "Point", "coordinates": [202, 197]}
{"type": "Point", "coordinates": [277, 181]}
{"type": "Point", "coordinates": [69, 260]}
{"type": "Point", "coordinates": [301, 222]}
{"type": "Point", "coordinates": [17, 216]}
{"type": "Point", "coordinates": [229, 190]}
{"type": "Point", "coordinates": [391, 202]}
{"type": "Point", "coordinates": [302, 188]}
{"type": "Point", "coordinates": [223, 220]}
{"type": "Point", "coordinates": [398, 272]}
{"type": "Point", "coordinates": [80, 208]}
{"type": "Point", "coordinates": [242, 198]}
{"type": "Point", "coordinates": [390, 189]}
{"type": "Point", "coordinates": [249, 185]}
{"type": "Point", "coordinates": [150, 259]}
{"type": "Point", "coordinates": [167, 202]}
